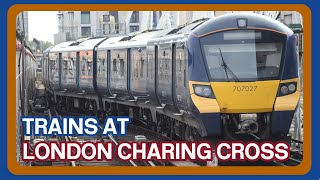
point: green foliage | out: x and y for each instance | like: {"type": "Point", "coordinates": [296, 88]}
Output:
{"type": "Point", "coordinates": [42, 46]}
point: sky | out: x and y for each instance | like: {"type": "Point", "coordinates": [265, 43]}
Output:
{"type": "Point", "coordinates": [42, 25]}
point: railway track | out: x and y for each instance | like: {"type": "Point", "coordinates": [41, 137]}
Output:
{"type": "Point", "coordinates": [296, 154]}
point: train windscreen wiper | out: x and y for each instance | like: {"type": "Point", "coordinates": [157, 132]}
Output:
{"type": "Point", "coordinates": [227, 69]}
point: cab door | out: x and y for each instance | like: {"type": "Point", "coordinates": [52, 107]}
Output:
{"type": "Point", "coordinates": [179, 57]}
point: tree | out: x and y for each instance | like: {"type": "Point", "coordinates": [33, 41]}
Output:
{"type": "Point", "coordinates": [43, 45]}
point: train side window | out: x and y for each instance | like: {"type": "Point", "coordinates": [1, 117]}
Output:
{"type": "Point", "coordinates": [89, 65]}
{"type": "Point", "coordinates": [103, 66]}
{"type": "Point", "coordinates": [184, 77]}
{"type": "Point", "coordinates": [181, 65]}
{"type": "Point", "coordinates": [114, 62]}
{"type": "Point", "coordinates": [83, 64]}
{"type": "Point", "coordinates": [148, 58]}
{"type": "Point", "coordinates": [141, 67]}
{"type": "Point", "coordinates": [121, 67]}
{"type": "Point", "coordinates": [56, 62]}
{"type": "Point", "coordinates": [180, 62]}
{"type": "Point", "coordinates": [184, 64]}
{"type": "Point", "coordinates": [135, 70]}
{"type": "Point", "coordinates": [65, 63]}
{"type": "Point", "coordinates": [99, 65]}
{"type": "Point", "coordinates": [53, 64]}
{"type": "Point", "coordinates": [71, 64]}
{"type": "Point", "coordinates": [135, 64]}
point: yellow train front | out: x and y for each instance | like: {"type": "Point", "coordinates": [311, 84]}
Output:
{"type": "Point", "coordinates": [243, 77]}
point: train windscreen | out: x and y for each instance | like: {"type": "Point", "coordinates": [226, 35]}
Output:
{"type": "Point", "coordinates": [243, 55]}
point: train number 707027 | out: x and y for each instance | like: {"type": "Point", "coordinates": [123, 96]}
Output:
{"type": "Point", "coordinates": [244, 88]}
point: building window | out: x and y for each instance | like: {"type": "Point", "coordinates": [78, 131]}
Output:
{"type": "Point", "coordinates": [134, 17]}
{"type": "Point", "coordinates": [85, 31]}
{"type": "Point", "coordinates": [106, 18]}
{"type": "Point", "coordinates": [104, 29]}
{"type": "Point", "coordinates": [85, 17]}
{"type": "Point", "coordinates": [134, 28]}
{"type": "Point", "coordinates": [116, 27]}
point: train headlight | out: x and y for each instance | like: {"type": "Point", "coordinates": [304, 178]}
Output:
{"type": "Point", "coordinates": [207, 91]}
{"type": "Point", "coordinates": [203, 91]}
{"type": "Point", "coordinates": [284, 90]}
{"type": "Point", "coordinates": [292, 87]}
{"type": "Point", "coordinates": [287, 88]}
{"type": "Point", "coordinates": [198, 89]}
{"type": "Point", "coordinates": [242, 22]}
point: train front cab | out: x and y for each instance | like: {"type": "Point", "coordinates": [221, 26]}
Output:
{"type": "Point", "coordinates": [244, 80]}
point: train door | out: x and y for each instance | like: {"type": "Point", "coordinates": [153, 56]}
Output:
{"type": "Point", "coordinates": [164, 83]}
{"type": "Point", "coordinates": [53, 70]}
{"type": "Point", "coordinates": [86, 71]}
{"type": "Point", "coordinates": [47, 69]}
{"type": "Point", "coordinates": [64, 71]}
{"type": "Point", "coordinates": [180, 65]}
{"type": "Point", "coordinates": [119, 72]}
{"type": "Point", "coordinates": [43, 69]}
{"type": "Point", "coordinates": [129, 81]}
{"type": "Point", "coordinates": [68, 76]}
{"type": "Point", "coordinates": [78, 70]}
{"type": "Point", "coordinates": [152, 75]}
{"type": "Point", "coordinates": [102, 74]}
{"type": "Point", "coordinates": [109, 72]}
{"type": "Point", "coordinates": [60, 70]}
{"type": "Point", "coordinates": [138, 72]}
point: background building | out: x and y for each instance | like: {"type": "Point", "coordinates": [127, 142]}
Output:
{"type": "Point", "coordinates": [73, 25]}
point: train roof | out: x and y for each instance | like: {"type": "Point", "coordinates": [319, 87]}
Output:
{"type": "Point", "coordinates": [141, 39]}
{"type": "Point", "coordinates": [187, 28]}
{"type": "Point", "coordinates": [229, 21]}
{"type": "Point", "coordinates": [89, 44]}
{"type": "Point", "coordinates": [176, 34]}
{"type": "Point", "coordinates": [138, 40]}
{"type": "Point", "coordinates": [61, 46]}
{"type": "Point", "coordinates": [110, 42]}
{"type": "Point", "coordinates": [79, 45]}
